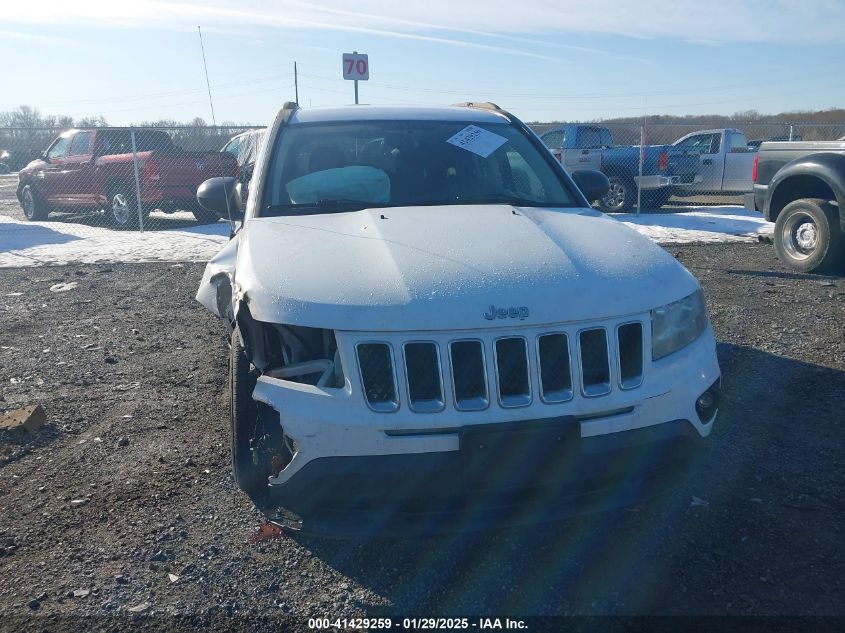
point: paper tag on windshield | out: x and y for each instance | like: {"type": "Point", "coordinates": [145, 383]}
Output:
{"type": "Point", "coordinates": [477, 140]}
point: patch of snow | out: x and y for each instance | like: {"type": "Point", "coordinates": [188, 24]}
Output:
{"type": "Point", "coordinates": [702, 225]}
{"type": "Point", "coordinates": [50, 243]}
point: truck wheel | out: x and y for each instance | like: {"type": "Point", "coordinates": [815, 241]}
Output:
{"type": "Point", "coordinates": [122, 209]}
{"type": "Point", "coordinates": [33, 206]}
{"type": "Point", "coordinates": [203, 215]}
{"type": "Point", "coordinates": [655, 199]}
{"type": "Point", "coordinates": [250, 477]}
{"type": "Point", "coordinates": [621, 196]}
{"type": "Point", "coordinates": [808, 237]}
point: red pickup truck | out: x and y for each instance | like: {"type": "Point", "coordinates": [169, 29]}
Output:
{"type": "Point", "coordinates": [92, 169]}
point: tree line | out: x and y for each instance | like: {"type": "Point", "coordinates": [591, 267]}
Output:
{"type": "Point", "coordinates": [808, 125]}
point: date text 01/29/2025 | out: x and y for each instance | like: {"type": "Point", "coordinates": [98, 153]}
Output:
{"type": "Point", "coordinates": [417, 624]}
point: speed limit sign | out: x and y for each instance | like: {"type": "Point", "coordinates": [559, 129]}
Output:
{"type": "Point", "coordinates": [356, 67]}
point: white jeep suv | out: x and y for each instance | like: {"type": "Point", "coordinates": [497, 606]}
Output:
{"type": "Point", "coordinates": [433, 330]}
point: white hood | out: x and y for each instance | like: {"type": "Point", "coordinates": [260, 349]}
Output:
{"type": "Point", "coordinates": [441, 268]}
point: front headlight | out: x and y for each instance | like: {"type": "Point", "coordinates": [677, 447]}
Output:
{"type": "Point", "coordinates": [677, 324]}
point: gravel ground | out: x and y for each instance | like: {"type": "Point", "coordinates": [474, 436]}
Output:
{"type": "Point", "coordinates": [125, 500]}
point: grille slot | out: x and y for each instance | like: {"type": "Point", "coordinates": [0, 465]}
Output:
{"type": "Point", "coordinates": [378, 376]}
{"type": "Point", "coordinates": [422, 368]}
{"type": "Point", "coordinates": [555, 372]}
{"type": "Point", "coordinates": [512, 372]}
{"type": "Point", "coordinates": [469, 375]}
{"type": "Point", "coordinates": [629, 341]}
{"type": "Point", "coordinates": [595, 363]}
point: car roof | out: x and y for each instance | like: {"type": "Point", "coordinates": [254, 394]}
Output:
{"type": "Point", "coordinates": [396, 113]}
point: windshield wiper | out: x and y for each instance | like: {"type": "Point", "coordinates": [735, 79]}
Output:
{"type": "Point", "coordinates": [324, 205]}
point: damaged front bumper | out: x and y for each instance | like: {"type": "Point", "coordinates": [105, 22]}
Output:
{"type": "Point", "coordinates": [356, 472]}
{"type": "Point", "coordinates": [463, 490]}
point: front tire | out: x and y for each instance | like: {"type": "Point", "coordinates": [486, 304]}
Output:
{"type": "Point", "coordinates": [808, 237]}
{"type": "Point", "coordinates": [621, 196]}
{"type": "Point", "coordinates": [33, 206]}
{"type": "Point", "coordinates": [251, 477]}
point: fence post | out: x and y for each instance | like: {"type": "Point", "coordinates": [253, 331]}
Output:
{"type": "Point", "coordinates": [790, 131]}
{"type": "Point", "coordinates": [137, 180]}
{"type": "Point", "coordinates": [640, 179]}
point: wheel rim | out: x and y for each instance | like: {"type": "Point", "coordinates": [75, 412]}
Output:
{"type": "Point", "coordinates": [800, 236]}
{"type": "Point", "coordinates": [120, 208]}
{"type": "Point", "coordinates": [28, 204]}
{"type": "Point", "coordinates": [615, 197]}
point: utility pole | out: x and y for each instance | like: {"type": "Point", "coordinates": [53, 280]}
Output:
{"type": "Point", "coordinates": [295, 83]}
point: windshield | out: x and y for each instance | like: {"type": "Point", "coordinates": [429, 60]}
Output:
{"type": "Point", "coordinates": [326, 167]}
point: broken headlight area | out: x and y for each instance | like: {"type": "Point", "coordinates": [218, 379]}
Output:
{"type": "Point", "coordinates": [292, 352]}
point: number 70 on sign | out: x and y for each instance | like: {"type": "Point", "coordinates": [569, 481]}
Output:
{"type": "Point", "coordinates": [356, 66]}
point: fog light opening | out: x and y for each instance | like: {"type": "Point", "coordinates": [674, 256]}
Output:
{"type": "Point", "coordinates": [705, 400]}
{"type": "Point", "coordinates": [707, 404]}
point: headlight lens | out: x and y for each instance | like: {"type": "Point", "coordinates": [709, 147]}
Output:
{"type": "Point", "coordinates": [677, 324]}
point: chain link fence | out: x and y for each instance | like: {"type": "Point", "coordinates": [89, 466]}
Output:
{"type": "Point", "coordinates": [145, 178]}
{"type": "Point", "coordinates": [110, 178]}
{"type": "Point", "coordinates": [672, 167]}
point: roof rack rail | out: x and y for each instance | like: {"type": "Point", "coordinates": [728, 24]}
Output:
{"type": "Point", "coordinates": [486, 105]}
{"type": "Point", "coordinates": [288, 108]}
{"type": "Point", "coordinates": [482, 105]}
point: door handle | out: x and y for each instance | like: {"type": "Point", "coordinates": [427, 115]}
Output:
{"type": "Point", "coordinates": [585, 151]}
{"type": "Point", "coordinates": [707, 161]}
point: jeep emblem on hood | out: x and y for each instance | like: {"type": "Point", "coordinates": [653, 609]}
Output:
{"type": "Point", "coordinates": [519, 312]}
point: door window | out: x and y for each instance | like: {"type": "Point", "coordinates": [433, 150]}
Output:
{"type": "Point", "coordinates": [704, 143]}
{"type": "Point", "coordinates": [81, 144]}
{"type": "Point", "coordinates": [113, 142]}
{"type": "Point", "coordinates": [59, 148]}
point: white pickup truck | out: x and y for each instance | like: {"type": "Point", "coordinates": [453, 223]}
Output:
{"type": "Point", "coordinates": [727, 161]}
{"type": "Point", "coordinates": [432, 330]}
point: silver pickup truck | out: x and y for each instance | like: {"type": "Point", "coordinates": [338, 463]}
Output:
{"type": "Point", "coordinates": [726, 162]}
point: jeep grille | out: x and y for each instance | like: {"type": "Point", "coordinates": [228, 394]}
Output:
{"type": "Point", "coordinates": [558, 365]}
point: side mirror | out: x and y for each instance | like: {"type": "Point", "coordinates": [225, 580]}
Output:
{"type": "Point", "coordinates": [221, 196]}
{"type": "Point", "coordinates": [43, 156]}
{"type": "Point", "coordinates": [592, 183]}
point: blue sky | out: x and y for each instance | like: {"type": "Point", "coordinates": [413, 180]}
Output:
{"type": "Point", "coordinates": [137, 60]}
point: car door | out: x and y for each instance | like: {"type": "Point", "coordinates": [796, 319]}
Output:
{"type": "Point", "coordinates": [53, 169]}
{"type": "Point", "coordinates": [77, 176]}
{"type": "Point", "coordinates": [708, 145]}
{"type": "Point", "coordinates": [739, 163]}
{"type": "Point", "coordinates": [586, 153]}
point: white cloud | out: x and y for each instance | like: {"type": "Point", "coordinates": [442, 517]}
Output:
{"type": "Point", "coordinates": [688, 20]}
